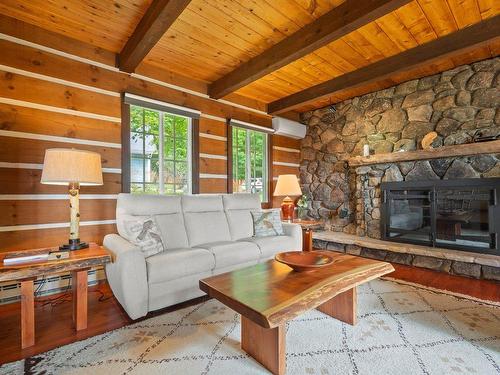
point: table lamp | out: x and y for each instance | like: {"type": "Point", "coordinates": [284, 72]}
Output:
{"type": "Point", "coordinates": [287, 185]}
{"type": "Point", "coordinates": [75, 168]}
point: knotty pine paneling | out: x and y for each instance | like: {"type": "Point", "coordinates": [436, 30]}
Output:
{"type": "Point", "coordinates": [282, 169]}
{"type": "Point", "coordinates": [29, 120]}
{"type": "Point", "coordinates": [286, 156]}
{"type": "Point", "coordinates": [213, 185]}
{"type": "Point", "coordinates": [27, 181]}
{"type": "Point", "coordinates": [16, 86]}
{"type": "Point", "coordinates": [21, 150]}
{"type": "Point", "coordinates": [24, 212]}
{"type": "Point", "coordinates": [37, 238]}
{"type": "Point", "coordinates": [214, 127]}
{"type": "Point", "coordinates": [213, 166]}
{"type": "Point", "coordinates": [213, 146]}
{"type": "Point", "coordinates": [280, 141]}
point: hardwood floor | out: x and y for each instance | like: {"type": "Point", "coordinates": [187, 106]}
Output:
{"type": "Point", "coordinates": [54, 327]}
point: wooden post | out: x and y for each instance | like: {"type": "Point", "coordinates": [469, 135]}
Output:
{"type": "Point", "coordinates": [342, 306]}
{"type": "Point", "coordinates": [27, 313]}
{"type": "Point", "coordinates": [265, 345]}
{"type": "Point", "coordinates": [79, 284]}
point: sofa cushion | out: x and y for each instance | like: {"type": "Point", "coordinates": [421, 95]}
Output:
{"type": "Point", "coordinates": [271, 245]}
{"type": "Point", "coordinates": [137, 206]}
{"type": "Point", "coordinates": [172, 230]}
{"type": "Point", "coordinates": [228, 253]}
{"type": "Point", "coordinates": [267, 223]}
{"type": "Point", "coordinates": [205, 219]}
{"type": "Point", "coordinates": [238, 207]}
{"type": "Point", "coordinates": [176, 263]}
{"type": "Point", "coordinates": [144, 233]}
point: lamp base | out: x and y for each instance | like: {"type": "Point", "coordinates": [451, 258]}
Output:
{"type": "Point", "coordinates": [74, 245]}
{"type": "Point", "coordinates": [287, 209]}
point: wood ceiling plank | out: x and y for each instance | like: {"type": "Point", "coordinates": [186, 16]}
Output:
{"type": "Point", "coordinates": [379, 39]}
{"type": "Point", "coordinates": [160, 15]}
{"type": "Point", "coordinates": [397, 31]}
{"type": "Point", "coordinates": [361, 45]}
{"type": "Point", "coordinates": [103, 23]}
{"type": "Point", "coordinates": [488, 8]}
{"type": "Point", "coordinates": [412, 16]}
{"type": "Point", "coordinates": [439, 15]}
{"type": "Point", "coordinates": [331, 26]}
{"type": "Point", "coordinates": [463, 41]}
{"type": "Point", "coordinates": [466, 12]}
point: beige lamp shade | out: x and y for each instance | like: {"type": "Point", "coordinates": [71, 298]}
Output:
{"type": "Point", "coordinates": [288, 184]}
{"type": "Point", "coordinates": [63, 166]}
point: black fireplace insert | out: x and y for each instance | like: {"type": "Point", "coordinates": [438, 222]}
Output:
{"type": "Point", "coordinates": [462, 214]}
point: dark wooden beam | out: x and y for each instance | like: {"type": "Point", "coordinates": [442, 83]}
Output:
{"type": "Point", "coordinates": [470, 38]}
{"type": "Point", "coordinates": [160, 15]}
{"type": "Point", "coordinates": [333, 25]}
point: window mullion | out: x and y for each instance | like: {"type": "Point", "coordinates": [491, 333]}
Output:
{"type": "Point", "coordinates": [160, 155]}
{"type": "Point", "coordinates": [247, 161]}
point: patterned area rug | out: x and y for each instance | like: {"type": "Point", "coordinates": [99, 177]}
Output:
{"type": "Point", "coordinates": [401, 330]}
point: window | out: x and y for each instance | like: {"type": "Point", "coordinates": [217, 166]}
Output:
{"type": "Point", "coordinates": [160, 152]}
{"type": "Point", "coordinates": [249, 161]}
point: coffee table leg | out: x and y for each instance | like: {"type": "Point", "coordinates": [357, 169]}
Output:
{"type": "Point", "coordinates": [27, 314]}
{"type": "Point", "coordinates": [79, 284]}
{"type": "Point", "coordinates": [265, 345]}
{"type": "Point", "coordinates": [342, 306]}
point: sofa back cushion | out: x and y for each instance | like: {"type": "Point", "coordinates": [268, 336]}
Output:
{"type": "Point", "coordinates": [166, 210]}
{"type": "Point", "coordinates": [238, 208]}
{"type": "Point", "coordinates": [205, 219]}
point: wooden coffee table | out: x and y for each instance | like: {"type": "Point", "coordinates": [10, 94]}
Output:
{"type": "Point", "coordinates": [270, 294]}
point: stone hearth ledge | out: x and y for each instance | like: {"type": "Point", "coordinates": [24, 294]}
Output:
{"type": "Point", "coordinates": [435, 252]}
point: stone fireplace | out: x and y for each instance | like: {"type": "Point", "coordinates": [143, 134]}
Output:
{"type": "Point", "coordinates": [460, 105]}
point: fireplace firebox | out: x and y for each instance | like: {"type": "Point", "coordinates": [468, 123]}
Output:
{"type": "Point", "coordinates": [462, 214]}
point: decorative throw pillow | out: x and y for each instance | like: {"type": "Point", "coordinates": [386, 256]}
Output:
{"type": "Point", "coordinates": [267, 223]}
{"type": "Point", "coordinates": [144, 233]}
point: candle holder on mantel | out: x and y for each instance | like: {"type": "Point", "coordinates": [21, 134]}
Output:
{"type": "Point", "coordinates": [74, 168]}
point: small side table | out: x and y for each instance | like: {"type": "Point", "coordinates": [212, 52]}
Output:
{"type": "Point", "coordinates": [307, 232]}
{"type": "Point", "coordinates": [78, 263]}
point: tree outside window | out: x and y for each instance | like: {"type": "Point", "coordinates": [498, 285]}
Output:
{"type": "Point", "coordinates": [249, 161]}
{"type": "Point", "coordinates": [160, 145]}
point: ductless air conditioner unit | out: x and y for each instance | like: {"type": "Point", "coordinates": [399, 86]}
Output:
{"type": "Point", "coordinates": [288, 128]}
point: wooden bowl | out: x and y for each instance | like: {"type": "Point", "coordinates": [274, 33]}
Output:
{"type": "Point", "coordinates": [305, 261]}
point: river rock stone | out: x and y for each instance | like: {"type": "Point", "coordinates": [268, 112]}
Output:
{"type": "Point", "coordinates": [486, 98]}
{"type": "Point", "coordinates": [458, 138]}
{"type": "Point", "coordinates": [421, 171]}
{"type": "Point", "coordinates": [460, 169]}
{"type": "Point", "coordinates": [420, 113]}
{"type": "Point", "coordinates": [418, 98]}
{"type": "Point", "coordinates": [381, 147]}
{"type": "Point", "coordinates": [406, 87]}
{"type": "Point", "coordinates": [392, 174]}
{"type": "Point", "coordinates": [417, 130]}
{"type": "Point", "coordinates": [460, 79]}
{"type": "Point", "coordinates": [446, 126]}
{"type": "Point", "coordinates": [463, 98]}
{"type": "Point", "coordinates": [482, 163]}
{"type": "Point", "coordinates": [460, 114]}
{"type": "Point", "coordinates": [440, 166]}
{"type": "Point", "coordinates": [405, 145]}
{"type": "Point", "coordinates": [444, 103]}
{"type": "Point", "coordinates": [480, 80]}
{"type": "Point", "coordinates": [392, 121]}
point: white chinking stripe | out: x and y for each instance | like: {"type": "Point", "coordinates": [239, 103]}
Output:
{"type": "Point", "coordinates": [49, 108]}
{"type": "Point", "coordinates": [211, 156]}
{"type": "Point", "coordinates": [44, 197]}
{"type": "Point", "coordinates": [53, 138]}
{"type": "Point", "coordinates": [286, 164]}
{"type": "Point", "coordinates": [211, 175]}
{"type": "Point", "coordinates": [163, 104]}
{"type": "Point", "coordinates": [14, 228]}
{"type": "Point", "coordinates": [40, 166]}
{"type": "Point", "coordinates": [212, 117]}
{"type": "Point", "coordinates": [58, 80]}
{"type": "Point", "coordinates": [115, 69]}
{"type": "Point", "coordinates": [286, 149]}
{"type": "Point", "coordinates": [211, 136]}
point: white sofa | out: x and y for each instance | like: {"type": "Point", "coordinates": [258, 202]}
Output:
{"type": "Point", "coordinates": [203, 235]}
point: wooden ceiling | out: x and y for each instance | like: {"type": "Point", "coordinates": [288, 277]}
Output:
{"type": "Point", "coordinates": [211, 38]}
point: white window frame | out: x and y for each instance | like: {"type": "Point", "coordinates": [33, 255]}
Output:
{"type": "Point", "coordinates": [161, 137]}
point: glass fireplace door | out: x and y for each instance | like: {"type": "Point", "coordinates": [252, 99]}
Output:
{"type": "Point", "coordinates": [410, 216]}
{"type": "Point", "coordinates": [462, 217]}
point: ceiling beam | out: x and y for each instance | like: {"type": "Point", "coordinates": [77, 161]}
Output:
{"type": "Point", "coordinates": [470, 38]}
{"type": "Point", "coordinates": [160, 15]}
{"type": "Point", "coordinates": [340, 21]}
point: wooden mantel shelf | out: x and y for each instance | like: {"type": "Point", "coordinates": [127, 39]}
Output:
{"type": "Point", "coordinates": [490, 147]}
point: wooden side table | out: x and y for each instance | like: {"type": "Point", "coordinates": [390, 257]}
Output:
{"type": "Point", "coordinates": [307, 232]}
{"type": "Point", "coordinates": [78, 263]}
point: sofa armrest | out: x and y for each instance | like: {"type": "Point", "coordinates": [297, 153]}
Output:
{"type": "Point", "coordinates": [127, 275]}
{"type": "Point", "coordinates": [294, 231]}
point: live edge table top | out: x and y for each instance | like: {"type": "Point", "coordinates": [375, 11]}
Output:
{"type": "Point", "coordinates": [271, 293]}
{"type": "Point", "coordinates": [93, 256]}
